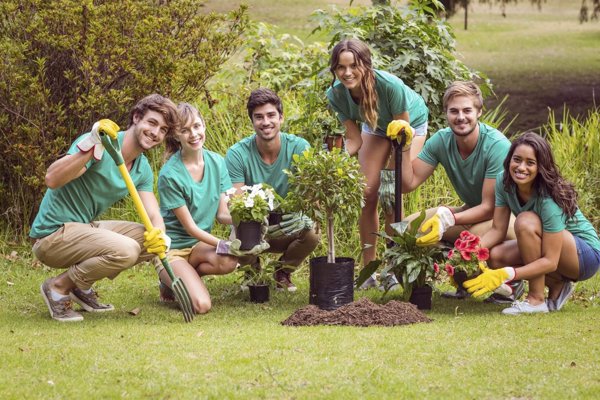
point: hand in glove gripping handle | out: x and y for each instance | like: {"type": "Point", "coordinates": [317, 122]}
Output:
{"type": "Point", "coordinates": [489, 280]}
{"type": "Point", "coordinates": [92, 140]}
{"type": "Point", "coordinates": [436, 225]}
{"type": "Point", "coordinates": [232, 248]}
{"type": "Point", "coordinates": [399, 129]}
{"type": "Point", "coordinates": [156, 242]}
{"type": "Point", "coordinates": [290, 224]}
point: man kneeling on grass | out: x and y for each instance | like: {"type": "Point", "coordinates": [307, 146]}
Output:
{"type": "Point", "coordinates": [81, 186]}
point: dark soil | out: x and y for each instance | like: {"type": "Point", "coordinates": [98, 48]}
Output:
{"type": "Point", "coordinates": [530, 102]}
{"type": "Point", "coordinates": [362, 312]}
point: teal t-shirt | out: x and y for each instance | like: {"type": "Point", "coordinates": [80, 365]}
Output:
{"type": "Point", "coordinates": [88, 196]}
{"type": "Point", "coordinates": [393, 97]}
{"type": "Point", "coordinates": [552, 216]}
{"type": "Point", "coordinates": [177, 189]}
{"type": "Point", "coordinates": [467, 176]}
{"type": "Point", "coordinates": [246, 166]}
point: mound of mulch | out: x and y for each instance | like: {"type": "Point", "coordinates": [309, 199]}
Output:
{"type": "Point", "coordinates": [362, 312]}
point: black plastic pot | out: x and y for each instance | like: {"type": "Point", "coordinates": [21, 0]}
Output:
{"type": "Point", "coordinates": [331, 284]}
{"type": "Point", "coordinates": [421, 297]}
{"type": "Point", "coordinates": [248, 232]}
{"type": "Point", "coordinates": [274, 218]}
{"type": "Point", "coordinates": [259, 293]}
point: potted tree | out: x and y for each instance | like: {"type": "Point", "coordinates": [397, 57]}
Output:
{"type": "Point", "coordinates": [249, 210]}
{"type": "Point", "coordinates": [414, 266]}
{"type": "Point", "coordinates": [325, 186]}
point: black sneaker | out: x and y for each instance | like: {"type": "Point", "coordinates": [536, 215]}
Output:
{"type": "Point", "coordinates": [60, 310]}
{"type": "Point", "coordinates": [89, 301]}
{"type": "Point", "coordinates": [459, 294]}
{"type": "Point", "coordinates": [517, 287]}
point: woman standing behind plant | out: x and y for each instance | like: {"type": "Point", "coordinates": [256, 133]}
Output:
{"type": "Point", "coordinates": [360, 93]}
{"type": "Point", "coordinates": [192, 186]}
{"type": "Point", "coordinates": [555, 246]}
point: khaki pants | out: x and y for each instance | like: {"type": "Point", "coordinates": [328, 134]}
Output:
{"type": "Point", "coordinates": [295, 249]}
{"type": "Point", "coordinates": [100, 249]}
{"type": "Point", "coordinates": [478, 229]}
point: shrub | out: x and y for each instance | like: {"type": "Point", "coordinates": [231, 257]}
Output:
{"type": "Point", "coordinates": [67, 63]}
{"type": "Point", "coordinates": [409, 42]}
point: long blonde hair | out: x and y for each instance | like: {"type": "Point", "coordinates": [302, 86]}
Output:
{"type": "Point", "coordinates": [362, 58]}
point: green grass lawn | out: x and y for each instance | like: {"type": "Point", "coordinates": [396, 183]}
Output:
{"type": "Point", "coordinates": [241, 350]}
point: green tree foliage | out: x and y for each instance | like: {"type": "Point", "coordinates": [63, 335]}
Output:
{"type": "Point", "coordinates": [67, 63]}
{"type": "Point", "coordinates": [412, 43]}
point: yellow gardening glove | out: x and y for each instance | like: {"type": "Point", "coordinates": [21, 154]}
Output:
{"type": "Point", "coordinates": [489, 280]}
{"type": "Point", "coordinates": [156, 242]}
{"type": "Point", "coordinates": [399, 129]}
{"type": "Point", "coordinates": [436, 225]}
{"type": "Point", "coordinates": [108, 127]}
{"type": "Point", "coordinates": [92, 139]}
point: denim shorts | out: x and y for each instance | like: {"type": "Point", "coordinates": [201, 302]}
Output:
{"type": "Point", "coordinates": [420, 130]}
{"type": "Point", "coordinates": [589, 259]}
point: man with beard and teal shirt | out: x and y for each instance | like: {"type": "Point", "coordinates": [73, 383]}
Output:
{"type": "Point", "coordinates": [472, 154]}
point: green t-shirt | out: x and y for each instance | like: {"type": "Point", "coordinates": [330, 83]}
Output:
{"type": "Point", "coordinates": [467, 175]}
{"type": "Point", "coordinates": [552, 216]}
{"type": "Point", "coordinates": [393, 97]}
{"type": "Point", "coordinates": [88, 196]}
{"type": "Point", "coordinates": [177, 189]}
{"type": "Point", "coordinates": [246, 166]}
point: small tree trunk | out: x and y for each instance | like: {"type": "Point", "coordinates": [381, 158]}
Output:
{"type": "Point", "coordinates": [330, 243]}
{"type": "Point", "coordinates": [466, 5]}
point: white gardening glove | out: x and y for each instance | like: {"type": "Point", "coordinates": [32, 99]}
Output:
{"type": "Point", "coordinates": [436, 225]}
{"type": "Point", "coordinates": [92, 139]}
{"type": "Point", "coordinates": [232, 248]}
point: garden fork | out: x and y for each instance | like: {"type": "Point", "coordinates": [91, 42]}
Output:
{"type": "Point", "coordinates": [182, 295]}
{"type": "Point", "coordinates": [398, 178]}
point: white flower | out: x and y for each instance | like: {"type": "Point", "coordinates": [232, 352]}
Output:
{"type": "Point", "coordinates": [249, 202]}
{"type": "Point", "coordinates": [231, 191]}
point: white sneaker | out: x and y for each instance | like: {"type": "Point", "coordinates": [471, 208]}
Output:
{"type": "Point", "coordinates": [523, 307]}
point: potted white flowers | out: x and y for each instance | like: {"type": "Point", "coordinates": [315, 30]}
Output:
{"type": "Point", "coordinates": [249, 210]}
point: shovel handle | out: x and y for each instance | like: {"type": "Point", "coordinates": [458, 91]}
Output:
{"type": "Point", "coordinates": [398, 178]}
{"type": "Point", "coordinates": [115, 153]}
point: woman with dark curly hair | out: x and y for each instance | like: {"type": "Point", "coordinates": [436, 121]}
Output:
{"type": "Point", "coordinates": [555, 246]}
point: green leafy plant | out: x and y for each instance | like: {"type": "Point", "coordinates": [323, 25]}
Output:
{"type": "Point", "coordinates": [413, 265]}
{"type": "Point", "coordinates": [252, 204]}
{"type": "Point", "coordinates": [324, 184]}
{"type": "Point", "coordinates": [260, 276]}
{"type": "Point", "coordinates": [410, 42]}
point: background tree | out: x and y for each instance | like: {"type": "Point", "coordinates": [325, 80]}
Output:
{"type": "Point", "coordinates": [67, 63]}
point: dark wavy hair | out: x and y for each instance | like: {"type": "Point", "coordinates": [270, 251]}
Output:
{"type": "Point", "coordinates": [548, 181]}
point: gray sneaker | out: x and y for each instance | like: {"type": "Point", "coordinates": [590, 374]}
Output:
{"type": "Point", "coordinates": [60, 310]}
{"type": "Point", "coordinates": [389, 283]}
{"type": "Point", "coordinates": [89, 301]}
{"type": "Point", "coordinates": [565, 293]}
{"type": "Point", "coordinates": [371, 282]}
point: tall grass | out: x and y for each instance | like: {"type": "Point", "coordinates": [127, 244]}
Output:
{"type": "Point", "coordinates": [576, 148]}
